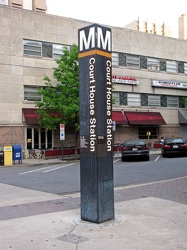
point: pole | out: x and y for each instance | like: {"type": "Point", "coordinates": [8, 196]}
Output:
{"type": "Point", "coordinates": [62, 150]}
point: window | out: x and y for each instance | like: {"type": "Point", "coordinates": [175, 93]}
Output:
{"type": "Point", "coordinates": [172, 101]}
{"type": "Point", "coordinates": [171, 67]}
{"type": "Point", "coordinates": [31, 94]}
{"type": "Point", "coordinates": [154, 100]}
{"type": "Point", "coordinates": [46, 50]}
{"type": "Point", "coordinates": [181, 67]}
{"type": "Point", "coordinates": [57, 50]}
{"type": "Point", "coordinates": [115, 59]}
{"type": "Point", "coordinates": [162, 65]}
{"type": "Point", "coordinates": [153, 64]}
{"type": "Point", "coordinates": [133, 100]}
{"type": "Point", "coordinates": [43, 49]}
{"type": "Point", "coordinates": [143, 62]}
{"type": "Point", "coordinates": [185, 68]}
{"type": "Point", "coordinates": [122, 59]}
{"type": "Point", "coordinates": [123, 98]}
{"type": "Point", "coordinates": [39, 138]}
{"type": "Point", "coordinates": [148, 132]}
{"type": "Point", "coordinates": [182, 102]}
{"type": "Point", "coordinates": [133, 61]}
{"type": "Point", "coordinates": [115, 98]}
{"type": "Point", "coordinates": [33, 48]}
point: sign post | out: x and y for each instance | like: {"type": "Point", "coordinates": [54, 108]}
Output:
{"type": "Point", "coordinates": [96, 136]}
{"type": "Point", "coordinates": [62, 137]}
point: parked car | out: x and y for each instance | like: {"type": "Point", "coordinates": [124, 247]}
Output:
{"type": "Point", "coordinates": [174, 146]}
{"type": "Point", "coordinates": [135, 148]}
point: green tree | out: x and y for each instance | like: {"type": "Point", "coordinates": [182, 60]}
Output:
{"type": "Point", "coordinates": [60, 102]}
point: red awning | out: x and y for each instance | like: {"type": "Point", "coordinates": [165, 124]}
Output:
{"type": "Point", "coordinates": [31, 116]}
{"type": "Point", "coordinates": [118, 117]}
{"type": "Point", "coordinates": [145, 118]}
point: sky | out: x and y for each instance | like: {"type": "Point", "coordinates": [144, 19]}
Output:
{"type": "Point", "coordinates": [118, 13]}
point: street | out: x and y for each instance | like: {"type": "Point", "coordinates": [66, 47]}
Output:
{"type": "Point", "coordinates": [65, 178]}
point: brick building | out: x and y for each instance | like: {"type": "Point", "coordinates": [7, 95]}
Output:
{"type": "Point", "coordinates": [149, 75]}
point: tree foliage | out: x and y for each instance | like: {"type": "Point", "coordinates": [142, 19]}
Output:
{"type": "Point", "coordinates": [60, 102]}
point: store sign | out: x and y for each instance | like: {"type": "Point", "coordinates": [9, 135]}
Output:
{"type": "Point", "coordinates": [169, 84]}
{"type": "Point", "coordinates": [124, 79]}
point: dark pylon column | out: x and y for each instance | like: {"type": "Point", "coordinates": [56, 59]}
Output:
{"type": "Point", "coordinates": [96, 151]}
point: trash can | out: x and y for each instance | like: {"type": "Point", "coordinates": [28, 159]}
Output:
{"type": "Point", "coordinates": [17, 153]}
{"type": "Point", "coordinates": [1, 157]}
{"type": "Point", "coordinates": [7, 155]}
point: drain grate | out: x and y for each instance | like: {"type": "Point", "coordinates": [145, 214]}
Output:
{"type": "Point", "coordinates": [72, 238]}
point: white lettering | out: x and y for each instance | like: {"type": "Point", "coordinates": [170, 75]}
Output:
{"type": "Point", "coordinates": [101, 43]}
{"type": "Point", "coordinates": [85, 43]}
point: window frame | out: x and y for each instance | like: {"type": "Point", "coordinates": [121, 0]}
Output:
{"type": "Point", "coordinates": [131, 97]}
{"type": "Point", "coordinates": [153, 64]}
{"type": "Point", "coordinates": [34, 90]}
{"type": "Point", "coordinates": [32, 44]}
{"type": "Point", "coordinates": [133, 61]}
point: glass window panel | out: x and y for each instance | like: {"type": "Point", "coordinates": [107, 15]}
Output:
{"type": "Point", "coordinates": [29, 138]}
{"type": "Point", "coordinates": [32, 48]}
{"type": "Point", "coordinates": [36, 138]}
{"type": "Point", "coordinates": [58, 50]}
{"type": "Point", "coordinates": [171, 66]}
{"type": "Point", "coordinates": [115, 61]}
{"type": "Point", "coordinates": [172, 101]}
{"type": "Point", "coordinates": [49, 138]}
{"type": "Point", "coordinates": [133, 100]}
{"type": "Point", "coordinates": [154, 100]}
{"type": "Point", "coordinates": [144, 100]}
{"type": "Point", "coordinates": [133, 61]}
{"type": "Point", "coordinates": [143, 62]}
{"type": "Point", "coordinates": [181, 67]}
{"type": "Point", "coordinates": [185, 68]}
{"type": "Point", "coordinates": [162, 65]}
{"type": "Point", "coordinates": [122, 59]}
{"type": "Point", "coordinates": [182, 102]}
{"type": "Point", "coordinates": [153, 64]}
{"type": "Point", "coordinates": [163, 99]}
{"type": "Point", "coordinates": [148, 132]}
{"type": "Point", "coordinates": [115, 97]}
{"type": "Point", "coordinates": [46, 49]}
{"type": "Point", "coordinates": [31, 94]}
{"type": "Point", "coordinates": [123, 98]}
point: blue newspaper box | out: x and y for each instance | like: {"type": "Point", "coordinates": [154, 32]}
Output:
{"type": "Point", "coordinates": [17, 153]}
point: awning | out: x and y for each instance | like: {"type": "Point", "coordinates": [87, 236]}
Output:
{"type": "Point", "coordinates": [145, 118]}
{"type": "Point", "coordinates": [182, 115]}
{"type": "Point", "coordinates": [31, 116]}
{"type": "Point", "coordinates": [118, 117]}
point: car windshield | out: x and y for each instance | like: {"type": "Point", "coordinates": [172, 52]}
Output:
{"type": "Point", "coordinates": [134, 142]}
{"type": "Point", "coordinates": [174, 140]}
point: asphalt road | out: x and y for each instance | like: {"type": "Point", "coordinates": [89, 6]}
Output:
{"type": "Point", "coordinates": [65, 178]}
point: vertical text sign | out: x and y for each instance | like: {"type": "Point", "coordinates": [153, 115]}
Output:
{"type": "Point", "coordinates": [95, 76]}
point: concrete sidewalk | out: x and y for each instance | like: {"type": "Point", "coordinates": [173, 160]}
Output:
{"type": "Point", "coordinates": [33, 220]}
{"type": "Point", "coordinates": [151, 216]}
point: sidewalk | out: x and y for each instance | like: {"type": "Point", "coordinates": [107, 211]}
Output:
{"type": "Point", "coordinates": [32, 220]}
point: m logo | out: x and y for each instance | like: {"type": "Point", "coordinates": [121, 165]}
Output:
{"type": "Point", "coordinates": [95, 37]}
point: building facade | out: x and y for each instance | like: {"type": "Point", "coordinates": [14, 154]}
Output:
{"type": "Point", "coordinates": [149, 76]}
